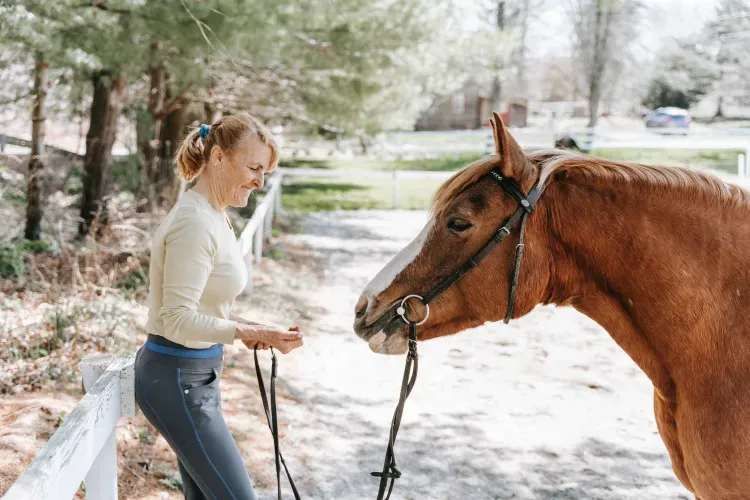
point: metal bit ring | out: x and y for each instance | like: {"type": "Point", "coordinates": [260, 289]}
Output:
{"type": "Point", "coordinates": [401, 311]}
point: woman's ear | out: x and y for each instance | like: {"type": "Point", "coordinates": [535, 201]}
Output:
{"type": "Point", "coordinates": [216, 154]}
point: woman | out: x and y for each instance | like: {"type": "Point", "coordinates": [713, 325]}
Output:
{"type": "Point", "coordinates": [196, 272]}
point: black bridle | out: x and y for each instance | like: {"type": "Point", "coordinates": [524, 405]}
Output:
{"type": "Point", "coordinates": [526, 207]}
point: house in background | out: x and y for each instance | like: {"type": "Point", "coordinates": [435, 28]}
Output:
{"type": "Point", "coordinates": [469, 108]}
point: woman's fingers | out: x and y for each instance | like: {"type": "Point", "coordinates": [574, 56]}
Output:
{"type": "Point", "coordinates": [287, 346]}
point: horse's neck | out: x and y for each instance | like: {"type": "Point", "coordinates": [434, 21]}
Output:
{"type": "Point", "coordinates": [660, 277]}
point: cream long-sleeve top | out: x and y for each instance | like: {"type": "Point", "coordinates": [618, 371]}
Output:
{"type": "Point", "coordinates": [196, 272]}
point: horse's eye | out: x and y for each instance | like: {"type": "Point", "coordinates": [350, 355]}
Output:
{"type": "Point", "coordinates": [459, 225]}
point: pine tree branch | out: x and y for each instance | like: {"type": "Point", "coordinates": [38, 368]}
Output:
{"type": "Point", "coordinates": [99, 4]}
{"type": "Point", "coordinates": [203, 27]}
{"type": "Point", "coordinates": [175, 103]}
{"type": "Point", "coordinates": [16, 99]}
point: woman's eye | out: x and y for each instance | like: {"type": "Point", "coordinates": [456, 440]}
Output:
{"type": "Point", "coordinates": [459, 225]}
{"type": "Point", "coordinates": [254, 168]}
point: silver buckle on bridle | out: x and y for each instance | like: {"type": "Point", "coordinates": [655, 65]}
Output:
{"type": "Point", "coordinates": [401, 311]}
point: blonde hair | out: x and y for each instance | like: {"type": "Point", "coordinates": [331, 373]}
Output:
{"type": "Point", "coordinates": [227, 132]}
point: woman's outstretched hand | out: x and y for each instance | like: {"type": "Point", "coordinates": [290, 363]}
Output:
{"type": "Point", "coordinates": [265, 336]}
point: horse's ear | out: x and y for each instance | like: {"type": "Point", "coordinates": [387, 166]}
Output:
{"type": "Point", "coordinates": [513, 161]}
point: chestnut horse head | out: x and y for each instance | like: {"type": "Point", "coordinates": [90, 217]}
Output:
{"type": "Point", "coordinates": [467, 211]}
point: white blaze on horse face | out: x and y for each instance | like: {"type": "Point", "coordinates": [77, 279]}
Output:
{"type": "Point", "coordinates": [385, 277]}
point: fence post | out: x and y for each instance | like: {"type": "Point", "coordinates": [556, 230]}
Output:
{"type": "Point", "coordinates": [249, 264]}
{"type": "Point", "coordinates": [128, 404]}
{"type": "Point", "coordinates": [741, 165]}
{"type": "Point", "coordinates": [278, 195]}
{"type": "Point", "coordinates": [395, 188]}
{"type": "Point", "coordinates": [268, 222]}
{"type": "Point", "coordinates": [2, 143]}
{"type": "Point", "coordinates": [101, 479]}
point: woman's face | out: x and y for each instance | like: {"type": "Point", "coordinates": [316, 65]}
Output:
{"type": "Point", "coordinates": [242, 170]}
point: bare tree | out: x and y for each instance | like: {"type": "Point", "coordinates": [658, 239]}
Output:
{"type": "Point", "coordinates": [36, 159]}
{"type": "Point", "coordinates": [603, 30]}
{"type": "Point", "coordinates": [499, 49]}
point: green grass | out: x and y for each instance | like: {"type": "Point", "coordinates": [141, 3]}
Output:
{"type": "Point", "coordinates": [439, 164]}
{"type": "Point", "coordinates": [12, 255]}
{"type": "Point", "coordinates": [131, 283]}
{"type": "Point", "coordinates": [307, 194]}
{"type": "Point", "coordinates": [724, 160]}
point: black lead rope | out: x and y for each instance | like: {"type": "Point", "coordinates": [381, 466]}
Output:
{"type": "Point", "coordinates": [390, 471]}
{"type": "Point", "coordinates": [271, 418]}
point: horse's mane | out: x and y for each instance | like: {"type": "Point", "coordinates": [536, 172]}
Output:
{"type": "Point", "coordinates": [689, 185]}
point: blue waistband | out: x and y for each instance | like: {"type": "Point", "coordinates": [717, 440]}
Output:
{"type": "Point", "coordinates": [185, 353]}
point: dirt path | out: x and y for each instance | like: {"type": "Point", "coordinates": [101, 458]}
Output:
{"type": "Point", "coordinates": [545, 408]}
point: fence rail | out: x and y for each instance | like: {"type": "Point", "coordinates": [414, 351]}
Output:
{"type": "Point", "coordinates": [84, 447]}
{"type": "Point", "coordinates": [258, 228]}
{"type": "Point", "coordinates": [7, 140]}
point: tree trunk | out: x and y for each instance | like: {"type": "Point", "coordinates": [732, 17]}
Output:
{"type": "Point", "coordinates": [521, 86]}
{"type": "Point", "coordinates": [496, 93]}
{"type": "Point", "coordinates": [719, 112]}
{"type": "Point", "coordinates": [34, 194]}
{"type": "Point", "coordinates": [105, 111]}
{"type": "Point", "coordinates": [209, 106]}
{"type": "Point", "coordinates": [594, 99]}
{"type": "Point", "coordinates": [150, 146]}
{"type": "Point", "coordinates": [603, 17]}
{"type": "Point", "coordinates": [212, 112]}
{"type": "Point", "coordinates": [172, 133]}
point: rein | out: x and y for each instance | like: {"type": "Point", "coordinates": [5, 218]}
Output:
{"type": "Point", "coordinates": [271, 418]}
{"type": "Point", "coordinates": [526, 207]}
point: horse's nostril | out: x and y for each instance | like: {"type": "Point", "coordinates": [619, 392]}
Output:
{"type": "Point", "coordinates": [361, 306]}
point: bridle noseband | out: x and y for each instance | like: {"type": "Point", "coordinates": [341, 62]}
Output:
{"type": "Point", "coordinates": [525, 208]}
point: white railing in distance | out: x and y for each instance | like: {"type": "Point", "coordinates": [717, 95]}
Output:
{"type": "Point", "coordinates": [259, 227]}
{"type": "Point", "coordinates": [84, 447]}
{"type": "Point", "coordinates": [396, 176]}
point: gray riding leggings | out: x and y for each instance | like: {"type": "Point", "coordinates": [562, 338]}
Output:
{"type": "Point", "coordinates": [177, 389]}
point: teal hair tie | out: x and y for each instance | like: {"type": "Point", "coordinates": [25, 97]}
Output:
{"type": "Point", "coordinates": [205, 129]}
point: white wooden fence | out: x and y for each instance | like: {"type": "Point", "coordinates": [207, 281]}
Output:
{"type": "Point", "coordinates": [84, 447]}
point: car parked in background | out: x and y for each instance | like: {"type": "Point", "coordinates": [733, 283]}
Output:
{"type": "Point", "coordinates": [669, 118]}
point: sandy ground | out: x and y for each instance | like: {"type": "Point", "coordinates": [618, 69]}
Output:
{"type": "Point", "coordinates": [547, 407]}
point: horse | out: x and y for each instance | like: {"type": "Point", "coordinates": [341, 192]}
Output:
{"type": "Point", "coordinates": [658, 256]}
{"type": "Point", "coordinates": [567, 142]}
